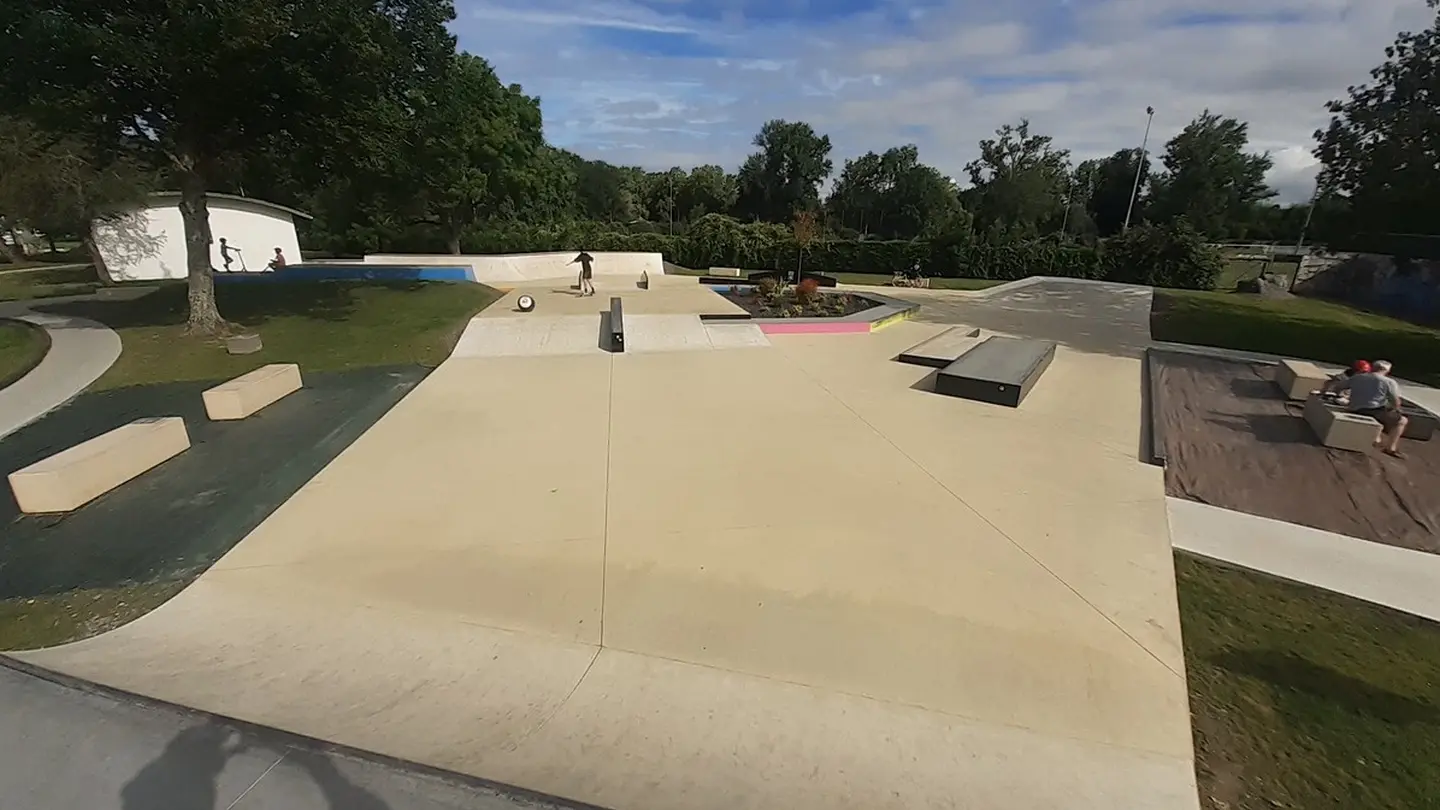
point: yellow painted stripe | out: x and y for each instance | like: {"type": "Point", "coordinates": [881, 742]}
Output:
{"type": "Point", "coordinates": [891, 320]}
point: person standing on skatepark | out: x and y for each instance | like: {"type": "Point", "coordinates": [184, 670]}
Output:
{"type": "Point", "coordinates": [587, 287]}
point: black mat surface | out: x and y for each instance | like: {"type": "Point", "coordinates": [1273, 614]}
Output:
{"type": "Point", "coordinates": [182, 516]}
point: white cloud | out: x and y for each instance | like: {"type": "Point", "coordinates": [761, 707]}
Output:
{"type": "Point", "coordinates": [942, 74]}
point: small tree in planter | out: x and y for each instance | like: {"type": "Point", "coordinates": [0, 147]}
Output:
{"type": "Point", "coordinates": [806, 227]}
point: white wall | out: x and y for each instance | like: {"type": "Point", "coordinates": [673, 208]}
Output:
{"type": "Point", "coordinates": [149, 245]}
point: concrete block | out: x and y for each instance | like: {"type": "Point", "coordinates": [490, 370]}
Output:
{"type": "Point", "coordinates": [1000, 371]}
{"type": "Point", "coordinates": [725, 271]}
{"type": "Point", "coordinates": [72, 478]}
{"type": "Point", "coordinates": [248, 393]}
{"type": "Point", "coordinates": [1339, 429]}
{"type": "Point", "coordinates": [1297, 378]}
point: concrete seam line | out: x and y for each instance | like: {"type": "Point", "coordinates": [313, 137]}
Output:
{"type": "Point", "coordinates": [277, 761]}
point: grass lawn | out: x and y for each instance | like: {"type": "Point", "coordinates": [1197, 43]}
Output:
{"type": "Point", "coordinates": [22, 347]}
{"type": "Point", "coordinates": [1306, 699]}
{"type": "Point", "coordinates": [323, 327]}
{"type": "Point", "coordinates": [40, 281]}
{"type": "Point", "coordinates": [1296, 327]}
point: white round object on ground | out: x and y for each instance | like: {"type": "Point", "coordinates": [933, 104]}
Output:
{"type": "Point", "coordinates": [525, 304]}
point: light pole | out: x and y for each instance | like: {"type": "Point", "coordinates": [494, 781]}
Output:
{"type": "Point", "coordinates": [1139, 167]}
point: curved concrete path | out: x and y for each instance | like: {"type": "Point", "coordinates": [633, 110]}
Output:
{"type": "Point", "coordinates": [80, 351]}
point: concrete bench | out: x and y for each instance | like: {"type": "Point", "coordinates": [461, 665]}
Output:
{"type": "Point", "coordinates": [1297, 378]}
{"type": "Point", "coordinates": [733, 272]}
{"type": "Point", "coordinates": [72, 478]}
{"type": "Point", "coordinates": [247, 394]}
{"type": "Point", "coordinates": [1339, 429]}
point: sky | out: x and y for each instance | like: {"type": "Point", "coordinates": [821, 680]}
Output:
{"type": "Point", "coordinates": [661, 83]}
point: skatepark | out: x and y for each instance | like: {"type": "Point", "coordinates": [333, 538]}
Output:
{"type": "Point", "coordinates": [722, 567]}
{"type": "Point", "coordinates": [746, 570]}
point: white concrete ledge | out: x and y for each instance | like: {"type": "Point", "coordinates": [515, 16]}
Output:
{"type": "Point", "coordinates": [72, 478]}
{"type": "Point", "coordinates": [247, 394]}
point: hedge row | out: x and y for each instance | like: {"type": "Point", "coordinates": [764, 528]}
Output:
{"type": "Point", "coordinates": [1174, 256]}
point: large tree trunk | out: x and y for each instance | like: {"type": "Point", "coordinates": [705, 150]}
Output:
{"type": "Point", "coordinates": [204, 317]}
{"type": "Point", "coordinates": [97, 261]}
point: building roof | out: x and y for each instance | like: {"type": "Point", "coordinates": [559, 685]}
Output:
{"type": "Point", "coordinates": [215, 195]}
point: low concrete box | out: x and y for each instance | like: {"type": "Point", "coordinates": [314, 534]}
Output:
{"type": "Point", "coordinates": [1297, 378]}
{"type": "Point", "coordinates": [72, 478]}
{"type": "Point", "coordinates": [1339, 429]}
{"type": "Point", "coordinates": [248, 393]}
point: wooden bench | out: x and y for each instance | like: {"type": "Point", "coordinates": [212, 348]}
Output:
{"type": "Point", "coordinates": [249, 393]}
{"type": "Point", "coordinates": [74, 477]}
{"type": "Point", "coordinates": [1297, 378]}
{"type": "Point", "coordinates": [1339, 429]}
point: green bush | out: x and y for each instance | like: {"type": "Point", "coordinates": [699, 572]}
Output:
{"type": "Point", "coordinates": [1173, 255]}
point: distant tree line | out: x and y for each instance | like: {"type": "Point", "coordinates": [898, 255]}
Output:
{"type": "Point", "coordinates": [367, 116]}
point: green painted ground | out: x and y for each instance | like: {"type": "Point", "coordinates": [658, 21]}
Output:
{"type": "Point", "coordinates": [360, 347]}
{"type": "Point", "coordinates": [22, 347]}
{"type": "Point", "coordinates": [63, 575]}
{"type": "Point", "coordinates": [1306, 699]}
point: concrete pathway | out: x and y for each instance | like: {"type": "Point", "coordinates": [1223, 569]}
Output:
{"type": "Point", "coordinates": [80, 351]}
{"type": "Point", "coordinates": [1398, 578]}
{"type": "Point", "coordinates": [67, 748]}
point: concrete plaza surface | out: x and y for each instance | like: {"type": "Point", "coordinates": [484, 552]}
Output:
{"type": "Point", "coordinates": [777, 577]}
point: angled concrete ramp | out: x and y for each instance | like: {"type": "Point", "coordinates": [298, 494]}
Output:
{"type": "Point", "coordinates": [942, 349]}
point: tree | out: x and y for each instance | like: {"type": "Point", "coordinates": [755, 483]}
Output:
{"type": "Point", "coordinates": [53, 183]}
{"type": "Point", "coordinates": [707, 189]}
{"type": "Point", "coordinates": [1019, 181]}
{"type": "Point", "coordinates": [1107, 185]}
{"type": "Point", "coordinates": [1209, 178]}
{"type": "Point", "coordinates": [785, 175]}
{"type": "Point", "coordinates": [1382, 147]}
{"type": "Point", "coordinates": [895, 196]}
{"type": "Point", "coordinates": [806, 229]}
{"type": "Point", "coordinates": [602, 191]}
{"type": "Point", "coordinates": [192, 87]}
{"type": "Point", "coordinates": [475, 147]}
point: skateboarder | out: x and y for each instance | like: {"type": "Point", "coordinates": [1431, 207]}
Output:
{"type": "Point", "coordinates": [587, 287]}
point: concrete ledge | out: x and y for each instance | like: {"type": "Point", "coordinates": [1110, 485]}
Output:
{"type": "Point", "coordinates": [942, 349]}
{"type": "Point", "coordinates": [1297, 378]}
{"type": "Point", "coordinates": [249, 393]}
{"type": "Point", "coordinates": [1338, 429]}
{"type": "Point", "coordinates": [72, 478]}
{"type": "Point", "coordinates": [1001, 371]}
{"type": "Point", "coordinates": [1152, 427]}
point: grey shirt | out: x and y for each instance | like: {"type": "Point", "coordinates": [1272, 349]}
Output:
{"type": "Point", "coordinates": [1370, 391]}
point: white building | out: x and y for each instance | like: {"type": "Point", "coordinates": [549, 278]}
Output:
{"type": "Point", "coordinates": [148, 244]}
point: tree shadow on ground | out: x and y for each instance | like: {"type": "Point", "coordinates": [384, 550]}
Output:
{"type": "Point", "coordinates": [1295, 679]}
{"type": "Point", "coordinates": [246, 304]}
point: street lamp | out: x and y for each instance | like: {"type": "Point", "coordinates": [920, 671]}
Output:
{"type": "Point", "coordinates": [1139, 167]}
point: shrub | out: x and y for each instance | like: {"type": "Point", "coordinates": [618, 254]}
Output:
{"type": "Point", "coordinates": [1173, 255]}
{"type": "Point", "coordinates": [807, 290]}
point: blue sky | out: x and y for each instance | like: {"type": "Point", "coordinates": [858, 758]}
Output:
{"type": "Point", "coordinates": [659, 83]}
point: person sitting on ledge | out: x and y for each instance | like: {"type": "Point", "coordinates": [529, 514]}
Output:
{"type": "Point", "coordinates": [1329, 389]}
{"type": "Point", "coordinates": [1376, 394]}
